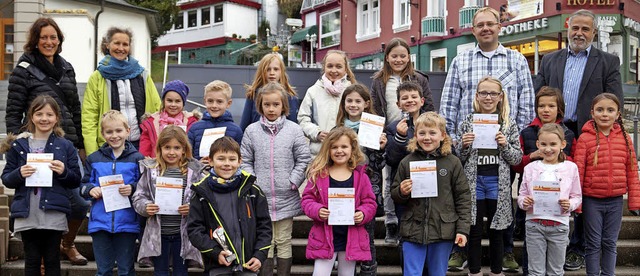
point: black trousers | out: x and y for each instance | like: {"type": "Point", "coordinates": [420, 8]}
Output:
{"type": "Point", "coordinates": [41, 244]}
{"type": "Point", "coordinates": [485, 208]}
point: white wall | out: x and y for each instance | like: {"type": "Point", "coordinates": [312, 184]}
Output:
{"type": "Point", "coordinates": [240, 20]}
{"type": "Point", "coordinates": [271, 13]}
{"type": "Point", "coordinates": [310, 19]}
{"type": "Point", "coordinates": [141, 44]}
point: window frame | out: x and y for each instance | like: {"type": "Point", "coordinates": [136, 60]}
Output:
{"type": "Point", "coordinates": [330, 34]}
{"type": "Point", "coordinates": [398, 10]}
{"type": "Point", "coordinates": [370, 29]}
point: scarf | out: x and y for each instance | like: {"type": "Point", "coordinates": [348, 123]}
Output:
{"type": "Point", "coordinates": [53, 70]}
{"type": "Point", "coordinates": [166, 120]}
{"type": "Point", "coordinates": [272, 126]}
{"type": "Point", "coordinates": [334, 89]}
{"type": "Point", "coordinates": [223, 186]}
{"type": "Point", "coordinates": [352, 125]}
{"type": "Point", "coordinates": [114, 69]}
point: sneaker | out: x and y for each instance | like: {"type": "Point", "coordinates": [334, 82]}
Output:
{"type": "Point", "coordinates": [392, 236]}
{"type": "Point", "coordinates": [457, 261]}
{"type": "Point", "coordinates": [509, 263]}
{"type": "Point", "coordinates": [573, 261]}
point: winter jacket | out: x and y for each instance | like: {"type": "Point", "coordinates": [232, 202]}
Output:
{"type": "Point", "coordinates": [318, 112]}
{"type": "Point", "coordinates": [529, 137]}
{"type": "Point", "coordinates": [145, 193]}
{"type": "Point", "coordinates": [379, 89]}
{"type": "Point", "coordinates": [375, 160]}
{"type": "Point", "coordinates": [253, 213]}
{"type": "Point", "coordinates": [55, 198]}
{"type": "Point", "coordinates": [510, 155]}
{"type": "Point", "coordinates": [102, 163]}
{"type": "Point", "coordinates": [97, 101]}
{"type": "Point", "coordinates": [396, 148]}
{"type": "Point", "coordinates": [435, 219]}
{"type": "Point", "coordinates": [569, 178]}
{"type": "Point", "coordinates": [278, 160]}
{"type": "Point", "coordinates": [197, 130]}
{"type": "Point", "coordinates": [149, 131]}
{"type": "Point", "coordinates": [250, 113]}
{"type": "Point", "coordinates": [320, 243]}
{"type": "Point", "coordinates": [25, 84]}
{"type": "Point", "coordinates": [616, 172]}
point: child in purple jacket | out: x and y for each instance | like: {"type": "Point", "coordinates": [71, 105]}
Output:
{"type": "Point", "coordinates": [337, 168]}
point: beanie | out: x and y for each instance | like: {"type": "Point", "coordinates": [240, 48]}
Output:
{"type": "Point", "coordinates": [179, 87]}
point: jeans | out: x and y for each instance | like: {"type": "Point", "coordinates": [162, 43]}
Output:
{"type": "Point", "coordinates": [170, 249]}
{"type": "Point", "coordinates": [602, 222]}
{"type": "Point", "coordinates": [114, 247]}
{"type": "Point", "coordinates": [546, 248]}
{"type": "Point", "coordinates": [41, 245]}
{"type": "Point", "coordinates": [389, 205]}
{"type": "Point", "coordinates": [432, 258]}
{"type": "Point", "coordinates": [484, 208]}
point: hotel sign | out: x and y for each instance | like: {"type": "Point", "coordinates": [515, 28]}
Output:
{"type": "Point", "coordinates": [525, 26]}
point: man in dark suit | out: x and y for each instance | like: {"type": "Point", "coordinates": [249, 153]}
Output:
{"type": "Point", "coordinates": [581, 72]}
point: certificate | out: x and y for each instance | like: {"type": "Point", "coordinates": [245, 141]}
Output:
{"type": "Point", "coordinates": [208, 137]}
{"type": "Point", "coordinates": [545, 198]}
{"type": "Point", "coordinates": [168, 195]}
{"type": "Point", "coordinates": [113, 200]}
{"type": "Point", "coordinates": [371, 127]}
{"type": "Point", "coordinates": [424, 178]}
{"type": "Point", "coordinates": [485, 127]}
{"type": "Point", "coordinates": [342, 206]}
{"type": "Point", "coordinates": [43, 177]}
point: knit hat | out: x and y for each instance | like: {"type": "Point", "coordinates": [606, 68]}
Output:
{"type": "Point", "coordinates": [179, 87]}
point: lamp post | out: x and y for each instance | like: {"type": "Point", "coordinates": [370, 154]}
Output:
{"type": "Point", "coordinates": [312, 41]}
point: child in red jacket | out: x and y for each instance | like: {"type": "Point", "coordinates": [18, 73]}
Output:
{"type": "Point", "coordinates": [607, 165]}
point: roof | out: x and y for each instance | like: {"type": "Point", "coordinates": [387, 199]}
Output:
{"type": "Point", "coordinates": [300, 35]}
{"type": "Point", "coordinates": [151, 15]}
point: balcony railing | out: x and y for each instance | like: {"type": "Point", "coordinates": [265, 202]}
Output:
{"type": "Point", "coordinates": [466, 16]}
{"type": "Point", "coordinates": [433, 26]}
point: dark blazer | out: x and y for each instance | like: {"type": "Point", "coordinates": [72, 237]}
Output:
{"type": "Point", "coordinates": [601, 74]}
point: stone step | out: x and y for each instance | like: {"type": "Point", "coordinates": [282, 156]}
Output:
{"type": "Point", "coordinates": [16, 268]}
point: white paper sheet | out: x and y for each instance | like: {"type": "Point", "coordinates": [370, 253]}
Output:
{"type": "Point", "coordinates": [43, 177]}
{"type": "Point", "coordinates": [208, 137]}
{"type": "Point", "coordinates": [370, 131]}
{"type": "Point", "coordinates": [113, 200]}
{"type": "Point", "coordinates": [342, 206]}
{"type": "Point", "coordinates": [424, 178]}
{"type": "Point", "coordinates": [168, 195]}
{"type": "Point", "coordinates": [485, 127]}
{"type": "Point", "coordinates": [546, 195]}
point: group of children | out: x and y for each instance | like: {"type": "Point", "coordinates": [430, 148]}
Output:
{"type": "Point", "coordinates": [238, 202]}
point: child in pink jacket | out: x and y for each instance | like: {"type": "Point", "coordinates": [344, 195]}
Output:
{"type": "Point", "coordinates": [547, 224]}
{"type": "Point", "coordinates": [337, 167]}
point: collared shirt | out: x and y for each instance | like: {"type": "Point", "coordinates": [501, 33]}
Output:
{"type": "Point", "coordinates": [573, 71]}
{"type": "Point", "coordinates": [468, 68]}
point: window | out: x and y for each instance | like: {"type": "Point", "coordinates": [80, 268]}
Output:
{"type": "Point", "coordinates": [436, 7]}
{"type": "Point", "coordinates": [330, 28]}
{"type": "Point", "coordinates": [179, 21]}
{"type": "Point", "coordinates": [368, 19]}
{"type": "Point", "coordinates": [439, 60]}
{"type": "Point", "coordinates": [218, 14]}
{"type": "Point", "coordinates": [401, 15]}
{"type": "Point", "coordinates": [205, 16]}
{"type": "Point", "coordinates": [192, 17]}
{"type": "Point", "coordinates": [473, 3]}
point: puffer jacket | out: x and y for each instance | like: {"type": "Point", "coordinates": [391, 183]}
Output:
{"type": "Point", "coordinates": [97, 101]}
{"type": "Point", "coordinates": [145, 193]}
{"type": "Point", "coordinates": [278, 160]}
{"type": "Point", "coordinates": [197, 130]}
{"type": "Point", "coordinates": [318, 112]}
{"type": "Point", "coordinates": [436, 219]}
{"type": "Point", "coordinates": [320, 243]}
{"type": "Point", "coordinates": [379, 89]}
{"type": "Point", "coordinates": [149, 131]}
{"type": "Point", "coordinates": [510, 155]}
{"type": "Point", "coordinates": [616, 172]}
{"type": "Point", "coordinates": [25, 86]}
{"type": "Point", "coordinates": [101, 163]}
{"type": "Point", "coordinates": [55, 198]}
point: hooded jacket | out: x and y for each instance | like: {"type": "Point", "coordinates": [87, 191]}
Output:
{"type": "Point", "coordinates": [102, 163]}
{"type": "Point", "coordinates": [320, 243]}
{"type": "Point", "coordinates": [616, 172]}
{"type": "Point", "coordinates": [529, 136]}
{"type": "Point", "coordinates": [150, 245]}
{"type": "Point", "coordinates": [55, 198]}
{"type": "Point", "coordinates": [253, 212]}
{"type": "Point", "coordinates": [149, 131]}
{"type": "Point", "coordinates": [435, 219]}
{"type": "Point", "coordinates": [25, 86]}
{"type": "Point", "coordinates": [197, 130]}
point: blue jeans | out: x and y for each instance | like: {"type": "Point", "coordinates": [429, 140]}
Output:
{"type": "Point", "coordinates": [170, 249]}
{"type": "Point", "coordinates": [602, 222]}
{"type": "Point", "coordinates": [487, 187]}
{"type": "Point", "coordinates": [109, 248]}
{"type": "Point", "coordinates": [435, 255]}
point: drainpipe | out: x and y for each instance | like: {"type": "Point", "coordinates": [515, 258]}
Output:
{"type": "Point", "coordinates": [95, 35]}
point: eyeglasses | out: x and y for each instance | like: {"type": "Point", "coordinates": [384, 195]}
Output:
{"type": "Point", "coordinates": [481, 25]}
{"type": "Point", "coordinates": [493, 95]}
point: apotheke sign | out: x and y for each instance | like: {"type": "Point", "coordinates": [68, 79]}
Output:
{"type": "Point", "coordinates": [525, 26]}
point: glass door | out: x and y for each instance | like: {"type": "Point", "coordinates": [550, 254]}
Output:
{"type": "Point", "coordinates": [6, 47]}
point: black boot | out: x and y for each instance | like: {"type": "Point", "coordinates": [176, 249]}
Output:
{"type": "Point", "coordinates": [267, 268]}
